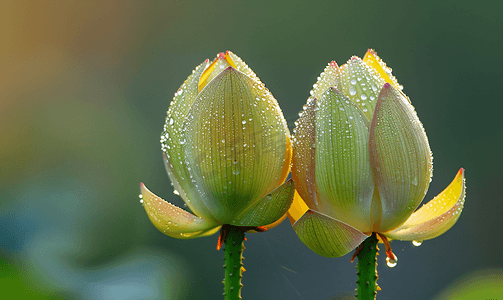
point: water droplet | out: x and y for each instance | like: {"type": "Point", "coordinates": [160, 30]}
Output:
{"type": "Point", "coordinates": [243, 122]}
{"type": "Point", "coordinates": [223, 141]}
{"type": "Point", "coordinates": [353, 82]}
{"type": "Point", "coordinates": [182, 142]}
{"type": "Point", "coordinates": [176, 192]}
{"type": "Point", "coordinates": [352, 91]}
{"type": "Point", "coordinates": [235, 171]}
{"type": "Point", "coordinates": [171, 121]}
{"type": "Point", "coordinates": [417, 243]}
{"type": "Point", "coordinates": [364, 97]}
{"type": "Point", "coordinates": [391, 262]}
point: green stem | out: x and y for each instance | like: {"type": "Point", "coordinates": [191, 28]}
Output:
{"type": "Point", "coordinates": [367, 272]}
{"type": "Point", "coordinates": [233, 257]}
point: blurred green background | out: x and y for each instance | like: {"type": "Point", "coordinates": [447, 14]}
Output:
{"type": "Point", "coordinates": [84, 89]}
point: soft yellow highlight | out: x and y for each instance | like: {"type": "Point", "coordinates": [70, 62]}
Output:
{"type": "Point", "coordinates": [373, 60]}
{"type": "Point", "coordinates": [441, 204]}
{"type": "Point", "coordinates": [298, 208]}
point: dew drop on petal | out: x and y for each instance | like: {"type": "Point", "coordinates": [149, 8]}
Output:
{"type": "Point", "coordinates": [352, 91]}
{"type": "Point", "coordinates": [176, 192]}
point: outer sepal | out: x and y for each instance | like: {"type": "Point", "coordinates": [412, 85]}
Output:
{"type": "Point", "coordinates": [269, 208]}
{"type": "Point", "coordinates": [344, 178]}
{"type": "Point", "coordinates": [234, 143]}
{"type": "Point", "coordinates": [304, 150]}
{"type": "Point", "coordinates": [400, 157]}
{"type": "Point", "coordinates": [327, 236]}
{"type": "Point", "coordinates": [174, 221]}
{"type": "Point", "coordinates": [171, 144]}
{"type": "Point", "coordinates": [435, 217]}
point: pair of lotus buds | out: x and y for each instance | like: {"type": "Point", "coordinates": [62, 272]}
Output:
{"type": "Point", "coordinates": [359, 158]}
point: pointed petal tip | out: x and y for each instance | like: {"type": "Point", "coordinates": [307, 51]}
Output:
{"type": "Point", "coordinates": [334, 89]}
{"type": "Point", "coordinates": [437, 216]}
{"type": "Point", "coordinates": [386, 85]}
{"type": "Point", "coordinates": [174, 221]}
{"type": "Point", "coordinates": [334, 64]}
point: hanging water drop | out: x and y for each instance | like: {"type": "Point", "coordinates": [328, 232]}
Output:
{"type": "Point", "coordinates": [391, 262]}
{"type": "Point", "coordinates": [417, 243]}
{"type": "Point", "coordinates": [176, 192]}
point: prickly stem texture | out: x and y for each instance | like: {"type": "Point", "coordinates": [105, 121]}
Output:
{"type": "Point", "coordinates": [367, 269]}
{"type": "Point", "coordinates": [234, 247]}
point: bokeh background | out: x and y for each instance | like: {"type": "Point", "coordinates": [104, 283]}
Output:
{"type": "Point", "coordinates": [84, 89]}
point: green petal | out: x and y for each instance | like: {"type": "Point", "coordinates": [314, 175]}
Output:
{"type": "Point", "coordinates": [303, 159]}
{"type": "Point", "coordinates": [361, 84]}
{"type": "Point", "coordinates": [234, 142]}
{"type": "Point", "coordinates": [174, 221]}
{"type": "Point", "coordinates": [435, 217]}
{"type": "Point", "coordinates": [343, 175]}
{"type": "Point", "coordinates": [269, 208]}
{"type": "Point", "coordinates": [400, 157]}
{"type": "Point", "coordinates": [328, 78]}
{"type": "Point", "coordinates": [170, 142]}
{"type": "Point", "coordinates": [327, 236]}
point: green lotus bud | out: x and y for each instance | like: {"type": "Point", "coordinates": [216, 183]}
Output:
{"type": "Point", "coordinates": [362, 163]}
{"type": "Point", "coordinates": [227, 152]}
